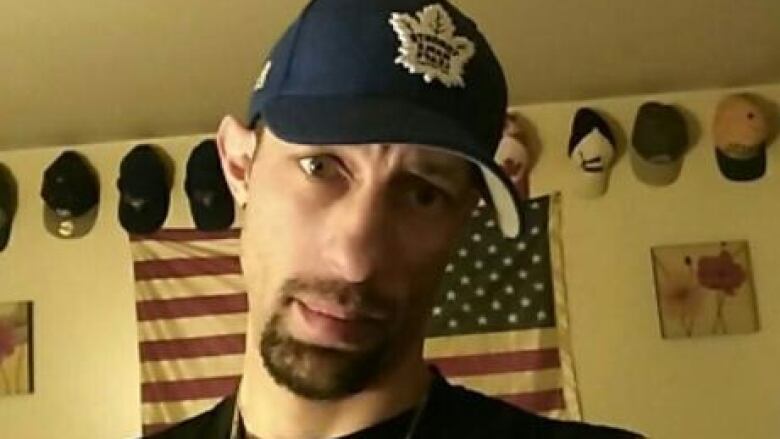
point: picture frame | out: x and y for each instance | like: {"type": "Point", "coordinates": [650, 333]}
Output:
{"type": "Point", "coordinates": [705, 289]}
{"type": "Point", "coordinates": [16, 348]}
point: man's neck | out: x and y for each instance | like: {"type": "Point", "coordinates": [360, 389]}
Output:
{"type": "Point", "coordinates": [270, 411]}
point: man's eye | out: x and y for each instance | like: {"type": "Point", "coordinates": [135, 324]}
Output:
{"type": "Point", "coordinates": [321, 166]}
{"type": "Point", "coordinates": [427, 195]}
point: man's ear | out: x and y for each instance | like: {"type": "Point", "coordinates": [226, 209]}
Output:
{"type": "Point", "coordinates": [236, 146]}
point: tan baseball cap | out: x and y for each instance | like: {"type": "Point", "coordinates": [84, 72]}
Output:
{"type": "Point", "coordinates": [741, 131]}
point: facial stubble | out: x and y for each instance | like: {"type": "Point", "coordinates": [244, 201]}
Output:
{"type": "Point", "coordinates": [318, 372]}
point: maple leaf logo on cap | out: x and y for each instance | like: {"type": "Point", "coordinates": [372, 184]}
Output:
{"type": "Point", "coordinates": [429, 46]}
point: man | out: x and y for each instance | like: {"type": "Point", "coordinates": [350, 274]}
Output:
{"type": "Point", "coordinates": [370, 139]}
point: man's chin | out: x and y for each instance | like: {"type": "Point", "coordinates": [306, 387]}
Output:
{"type": "Point", "coordinates": [318, 372]}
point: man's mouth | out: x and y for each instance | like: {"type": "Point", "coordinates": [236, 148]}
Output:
{"type": "Point", "coordinates": [329, 324]}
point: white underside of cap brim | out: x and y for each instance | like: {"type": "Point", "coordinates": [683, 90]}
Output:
{"type": "Point", "coordinates": [506, 211]}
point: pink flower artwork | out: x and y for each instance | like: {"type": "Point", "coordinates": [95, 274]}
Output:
{"type": "Point", "coordinates": [704, 289]}
{"type": "Point", "coordinates": [15, 353]}
{"type": "Point", "coordinates": [7, 340]}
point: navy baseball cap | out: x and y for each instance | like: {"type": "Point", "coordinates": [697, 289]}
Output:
{"type": "Point", "coordinates": [8, 202]}
{"type": "Point", "coordinates": [144, 189]}
{"type": "Point", "coordinates": [71, 194]}
{"type": "Point", "coordinates": [211, 204]}
{"type": "Point", "coordinates": [390, 71]}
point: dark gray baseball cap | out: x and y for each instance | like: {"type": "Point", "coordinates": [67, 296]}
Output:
{"type": "Point", "coordinates": [659, 141]}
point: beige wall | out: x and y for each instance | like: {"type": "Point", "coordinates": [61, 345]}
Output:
{"type": "Point", "coordinates": [723, 387]}
{"type": "Point", "coordinates": [86, 361]}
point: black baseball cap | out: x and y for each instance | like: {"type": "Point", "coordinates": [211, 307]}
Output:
{"type": "Point", "coordinates": [390, 71]}
{"type": "Point", "coordinates": [8, 201]}
{"type": "Point", "coordinates": [211, 203]}
{"type": "Point", "coordinates": [659, 139]}
{"type": "Point", "coordinates": [71, 194]}
{"type": "Point", "coordinates": [144, 189]}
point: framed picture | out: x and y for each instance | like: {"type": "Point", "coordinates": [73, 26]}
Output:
{"type": "Point", "coordinates": [705, 289]}
{"type": "Point", "coordinates": [16, 376]}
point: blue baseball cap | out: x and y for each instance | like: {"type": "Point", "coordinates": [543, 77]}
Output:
{"type": "Point", "coordinates": [390, 71]}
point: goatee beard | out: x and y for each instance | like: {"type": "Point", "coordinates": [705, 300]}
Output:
{"type": "Point", "coordinates": [316, 372]}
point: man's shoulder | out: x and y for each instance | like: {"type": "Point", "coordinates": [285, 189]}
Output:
{"type": "Point", "coordinates": [214, 423]}
{"type": "Point", "coordinates": [471, 414]}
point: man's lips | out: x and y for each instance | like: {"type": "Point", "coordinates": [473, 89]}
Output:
{"type": "Point", "coordinates": [333, 310]}
{"type": "Point", "coordinates": [330, 324]}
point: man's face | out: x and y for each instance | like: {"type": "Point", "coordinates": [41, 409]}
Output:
{"type": "Point", "coordinates": [342, 251]}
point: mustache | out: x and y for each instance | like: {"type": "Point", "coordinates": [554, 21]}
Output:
{"type": "Point", "coordinates": [358, 298]}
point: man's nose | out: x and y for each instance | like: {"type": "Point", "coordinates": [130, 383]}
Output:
{"type": "Point", "coordinates": [355, 236]}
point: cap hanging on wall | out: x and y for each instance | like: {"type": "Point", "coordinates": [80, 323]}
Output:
{"type": "Point", "coordinates": [8, 200]}
{"type": "Point", "coordinates": [211, 203]}
{"type": "Point", "coordinates": [592, 152]}
{"type": "Point", "coordinates": [513, 155]}
{"type": "Point", "coordinates": [144, 189]}
{"type": "Point", "coordinates": [71, 194]}
{"type": "Point", "coordinates": [741, 133]}
{"type": "Point", "coordinates": [659, 140]}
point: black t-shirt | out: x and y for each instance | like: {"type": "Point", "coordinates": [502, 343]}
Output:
{"type": "Point", "coordinates": [450, 412]}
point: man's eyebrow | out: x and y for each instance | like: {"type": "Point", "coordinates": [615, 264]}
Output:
{"type": "Point", "coordinates": [452, 174]}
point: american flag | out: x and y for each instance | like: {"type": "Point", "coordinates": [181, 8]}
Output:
{"type": "Point", "coordinates": [191, 308]}
{"type": "Point", "coordinates": [499, 325]}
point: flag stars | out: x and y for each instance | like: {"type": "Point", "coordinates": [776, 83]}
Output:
{"type": "Point", "coordinates": [541, 316]}
{"type": "Point", "coordinates": [512, 318]}
{"type": "Point", "coordinates": [496, 305]}
{"type": "Point", "coordinates": [480, 292]}
{"type": "Point", "coordinates": [534, 230]}
{"type": "Point", "coordinates": [452, 323]}
{"type": "Point", "coordinates": [508, 261]}
{"type": "Point", "coordinates": [494, 276]}
{"type": "Point", "coordinates": [539, 286]}
{"type": "Point", "coordinates": [463, 252]}
{"type": "Point", "coordinates": [536, 259]}
{"type": "Point", "coordinates": [465, 280]}
{"type": "Point", "coordinates": [490, 224]}
{"type": "Point", "coordinates": [466, 307]}
{"type": "Point", "coordinates": [492, 249]}
{"type": "Point", "coordinates": [525, 302]}
{"type": "Point", "coordinates": [476, 237]}
{"type": "Point", "coordinates": [521, 246]}
{"type": "Point", "coordinates": [449, 268]}
{"type": "Point", "coordinates": [535, 205]}
{"type": "Point", "coordinates": [475, 213]}
{"type": "Point", "coordinates": [451, 296]}
{"type": "Point", "coordinates": [436, 311]}
{"type": "Point", "coordinates": [478, 264]}
{"type": "Point", "coordinates": [522, 274]}
{"type": "Point", "coordinates": [482, 321]}
{"type": "Point", "coordinates": [509, 290]}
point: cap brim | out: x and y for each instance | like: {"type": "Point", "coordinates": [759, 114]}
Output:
{"type": "Point", "coordinates": [69, 227]}
{"type": "Point", "coordinates": [655, 174]}
{"type": "Point", "coordinates": [363, 120]}
{"type": "Point", "coordinates": [147, 221]}
{"type": "Point", "coordinates": [590, 184]}
{"type": "Point", "coordinates": [5, 235]}
{"type": "Point", "coordinates": [218, 216]}
{"type": "Point", "coordinates": [742, 169]}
